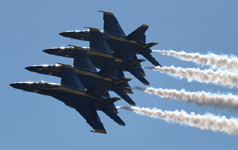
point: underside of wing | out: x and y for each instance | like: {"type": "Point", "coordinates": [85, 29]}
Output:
{"type": "Point", "coordinates": [89, 113]}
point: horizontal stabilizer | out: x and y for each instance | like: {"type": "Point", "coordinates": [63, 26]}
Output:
{"type": "Point", "coordinates": [148, 45]}
{"type": "Point", "coordinates": [139, 76]}
{"type": "Point", "coordinates": [138, 34]}
{"type": "Point", "coordinates": [136, 62]}
{"type": "Point", "coordinates": [114, 116]}
{"type": "Point", "coordinates": [110, 100]}
{"type": "Point", "coordinates": [123, 95]}
{"type": "Point", "coordinates": [150, 58]}
{"type": "Point", "coordinates": [123, 80]}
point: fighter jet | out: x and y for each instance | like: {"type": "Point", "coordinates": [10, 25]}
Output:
{"type": "Point", "coordinates": [88, 75]}
{"type": "Point", "coordinates": [73, 94]}
{"type": "Point", "coordinates": [115, 37]}
{"type": "Point", "coordinates": [101, 55]}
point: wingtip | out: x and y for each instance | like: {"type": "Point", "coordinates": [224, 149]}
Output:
{"type": "Point", "coordinates": [98, 131]}
{"type": "Point", "coordinates": [122, 124]}
{"type": "Point", "coordinates": [133, 104]}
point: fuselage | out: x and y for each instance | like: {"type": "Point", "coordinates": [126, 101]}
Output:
{"type": "Point", "coordinates": [99, 59]}
{"type": "Point", "coordinates": [67, 95]}
{"type": "Point", "coordinates": [88, 79]}
{"type": "Point", "coordinates": [114, 41]}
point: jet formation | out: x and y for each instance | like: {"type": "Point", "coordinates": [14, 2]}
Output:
{"type": "Point", "coordinates": [84, 88]}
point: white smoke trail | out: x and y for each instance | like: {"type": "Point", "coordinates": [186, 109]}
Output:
{"type": "Point", "coordinates": [220, 77]}
{"type": "Point", "coordinates": [216, 61]}
{"type": "Point", "coordinates": [205, 122]}
{"type": "Point", "coordinates": [216, 101]}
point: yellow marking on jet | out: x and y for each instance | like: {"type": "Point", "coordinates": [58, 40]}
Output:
{"type": "Point", "coordinates": [78, 71]}
{"type": "Point", "coordinates": [142, 73]}
{"type": "Point", "coordinates": [119, 39]}
{"type": "Point", "coordinates": [128, 91]}
{"type": "Point", "coordinates": [35, 91]}
{"type": "Point", "coordinates": [146, 83]}
{"type": "Point", "coordinates": [149, 45]}
{"type": "Point", "coordinates": [132, 104]}
{"type": "Point", "coordinates": [91, 52]}
{"type": "Point", "coordinates": [107, 13]}
{"type": "Point", "coordinates": [145, 25]}
{"type": "Point", "coordinates": [99, 131]}
{"type": "Point", "coordinates": [64, 89]}
{"type": "Point", "coordinates": [115, 111]}
{"type": "Point", "coordinates": [128, 79]}
{"type": "Point", "coordinates": [93, 29]}
{"type": "Point", "coordinates": [136, 62]}
{"type": "Point", "coordinates": [121, 124]}
{"type": "Point", "coordinates": [71, 106]}
{"type": "Point", "coordinates": [118, 82]}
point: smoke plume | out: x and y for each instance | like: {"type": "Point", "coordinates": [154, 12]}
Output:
{"type": "Point", "coordinates": [205, 122]}
{"type": "Point", "coordinates": [220, 77]}
{"type": "Point", "coordinates": [202, 98]}
{"type": "Point", "coordinates": [216, 61]}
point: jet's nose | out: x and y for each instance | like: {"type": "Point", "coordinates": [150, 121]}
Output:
{"type": "Point", "coordinates": [65, 34]}
{"type": "Point", "coordinates": [49, 51]}
{"type": "Point", "coordinates": [15, 85]}
{"type": "Point", "coordinates": [30, 68]}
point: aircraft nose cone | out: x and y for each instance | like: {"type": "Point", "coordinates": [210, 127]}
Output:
{"type": "Point", "coordinates": [48, 51]}
{"type": "Point", "coordinates": [12, 85]}
{"type": "Point", "coordinates": [15, 85]}
{"type": "Point", "coordinates": [30, 68]}
{"type": "Point", "coordinates": [65, 34]}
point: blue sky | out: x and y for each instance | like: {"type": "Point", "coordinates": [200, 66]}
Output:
{"type": "Point", "coordinates": [32, 121]}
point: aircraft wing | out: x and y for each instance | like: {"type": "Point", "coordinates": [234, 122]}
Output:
{"type": "Point", "coordinates": [111, 25]}
{"type": "Point", "coordinates": [90, 115]}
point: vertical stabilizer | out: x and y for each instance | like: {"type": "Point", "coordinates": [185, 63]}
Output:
{"type": "Point", "coordinates": [139, 34]}
{"type": "Point", "coordinates": [70, 79]}
{"type": "Point", "coordinates": [97, 41]}
{"type": "Point", "coordinates": [82, 61]}
{"type": "Point", "coordinates": [111, 25]}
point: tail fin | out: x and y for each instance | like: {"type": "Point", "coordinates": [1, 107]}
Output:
{"type": "Point", "coordinates": [138, 34]}
{"type": "Point", "coordinates": [110, 70]}
{"type": "Point", "coordinates": [70, 79]}
{"type": "Point", "coordinates": [111, 25]}
{"type": "Point", "coordinates": [82, 61]}
{"type": "Point", "coordinates": [97, 41]}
